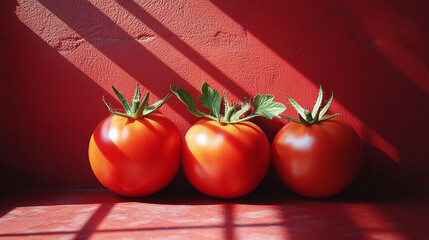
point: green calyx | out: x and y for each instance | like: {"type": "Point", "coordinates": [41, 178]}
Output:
{"type": "Point", "coordinates": [308, 117]}
{"type": "Point", "coordinates": [138, 108]}
{"type": "Point", "coordinates": [212, 100]}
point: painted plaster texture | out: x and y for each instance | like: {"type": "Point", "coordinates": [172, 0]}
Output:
{"type": "Point", "coordinates": [60, 57]}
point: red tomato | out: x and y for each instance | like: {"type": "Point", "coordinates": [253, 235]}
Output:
{"type": "Point", "coordinates": [225, 160]}
{"type": "Point", "coordinates": [318, 160]}
{"type": "Point", "coordinates": [135, 157]}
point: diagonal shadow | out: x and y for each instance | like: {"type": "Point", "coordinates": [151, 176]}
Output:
{"type": "Point", "coordinates": [229, 221]}
{"type": "Point", "coordinates": [342, 217]}
{"type": "Point", "coordinates": [304, 220]}
{"type": "Point", "coordinates": [352, 215]}
{"type": "Point", "coordinates": [412, 212]}
{"type": "Point", "coordinates": [30, 76]}
{"type": "Point", "coordinates": [180, 45]}
{"type": "Point", "coordinates": [32, 146]}
{"type": "Point", "coordinates": [111, 40]}
{"type": "Point", "coordinates": [97, 217]}
{"type": "Point", "coordinates": [329, 45]}
{"type": "Point", "coordinates": [145, 229]}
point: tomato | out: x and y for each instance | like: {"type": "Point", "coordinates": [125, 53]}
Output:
{"type": "Point", "coordinates": [225, 160]}
{"type": "Point", "coordinates": [318, 160]}
{"type": "Point", "coordinates": [135, 157]}
{"type": "Point", "coordinates": [225, 155]}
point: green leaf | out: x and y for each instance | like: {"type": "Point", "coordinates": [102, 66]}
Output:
{"type": "Point", "coordinates": [229, 110]}
{"type": "Point", "coordinates": [290, 119]}
{"type": "Point", "coordinates": [298, 108]}
{"type": "Point", "coordinates": [136, 100]}
{"type": "Point", "coordinates": [189, 101]}
{"type": "Point", "coordinates": [141, 108]}
{"type": "Point", "coordinates": [113, 111]}
{"type": "Point", "coordinates": [183, 96]}
{"type": "Point", "coordinates": [123, 101]}
{"type": "Point", "coordinates": [225, 99]}
{"type": "Point", "coordinates": [316, 107]}
{"type": "Point", "coordinates": [264, 106]}
{"type": "Point", "coordinates": [138, 108]}
{"type": "Point", "coordinates": [326, 107]}
{"type": "Point", "coordinates": [210, 99]}
{"type": "Point", "coordinates": [243, 109]}
{"type": "Point", "coordinates": [326, 118]}
{"type": "Point", "coordinates": [152, 108]}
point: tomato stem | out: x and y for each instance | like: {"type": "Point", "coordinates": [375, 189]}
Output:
{"type": "Point", "coordinates": [137, 109]}
{"type": "Point", "coordinates": [308, 116]}
{"type": "Point", "coordinates": [317, 115]}
{"type": "Point", "coordinates": [211, 100]}
{"type": "Point", "coordinates": [228, 114]}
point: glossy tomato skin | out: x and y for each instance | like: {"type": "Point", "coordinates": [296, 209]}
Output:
{"type": "Point", "coordinates": [135, 157]}
{"type": "Point", "coordinates": [225, 160]}
{"type": "Point", "coordinates": [319, 160]}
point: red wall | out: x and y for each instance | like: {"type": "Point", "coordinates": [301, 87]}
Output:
{"type": "Point", "coordinates": [58, 58]}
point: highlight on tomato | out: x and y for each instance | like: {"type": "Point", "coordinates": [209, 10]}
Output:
{"type": "Point", "coordinates": [316, 155]}
{"type": "Point", "coordinates": [135, 153]}
{"type": "Point", "coordinates": [225, 155]}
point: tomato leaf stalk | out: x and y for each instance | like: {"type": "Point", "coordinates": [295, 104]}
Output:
{"type": "Point", "coordinates": [308, 117]}
{"type": "Point", "coordinates": [138, 108]}
{"type": "Point", "coordinates": [212, 100]}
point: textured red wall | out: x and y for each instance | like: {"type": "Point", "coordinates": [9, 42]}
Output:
{"type": "Point", "coordinates": [59, 58]}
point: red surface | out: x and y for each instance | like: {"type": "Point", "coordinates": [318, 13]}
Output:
{"type": "Point", "coordinates": [58, 58]}
{"type": "Point", "coordinates": [87, 214]}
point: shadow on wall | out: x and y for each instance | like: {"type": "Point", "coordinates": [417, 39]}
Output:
{"type": "Point", "coordinates": [121, 48]}
{"type": "Point", "coordinates": [57, 106]}
{"type": "Point", "coordinates": [71, 97]}
{"type": "Point", "coordinates": [63, 102]}
{"type": "Point", "coordinates": [52, 108]}
{"type": "Point", "coordinates": [362, 51]}
{"type": "Point", "coordinates": [181, 46]}
{"type": "Point", "coordinates": [331, 43]}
